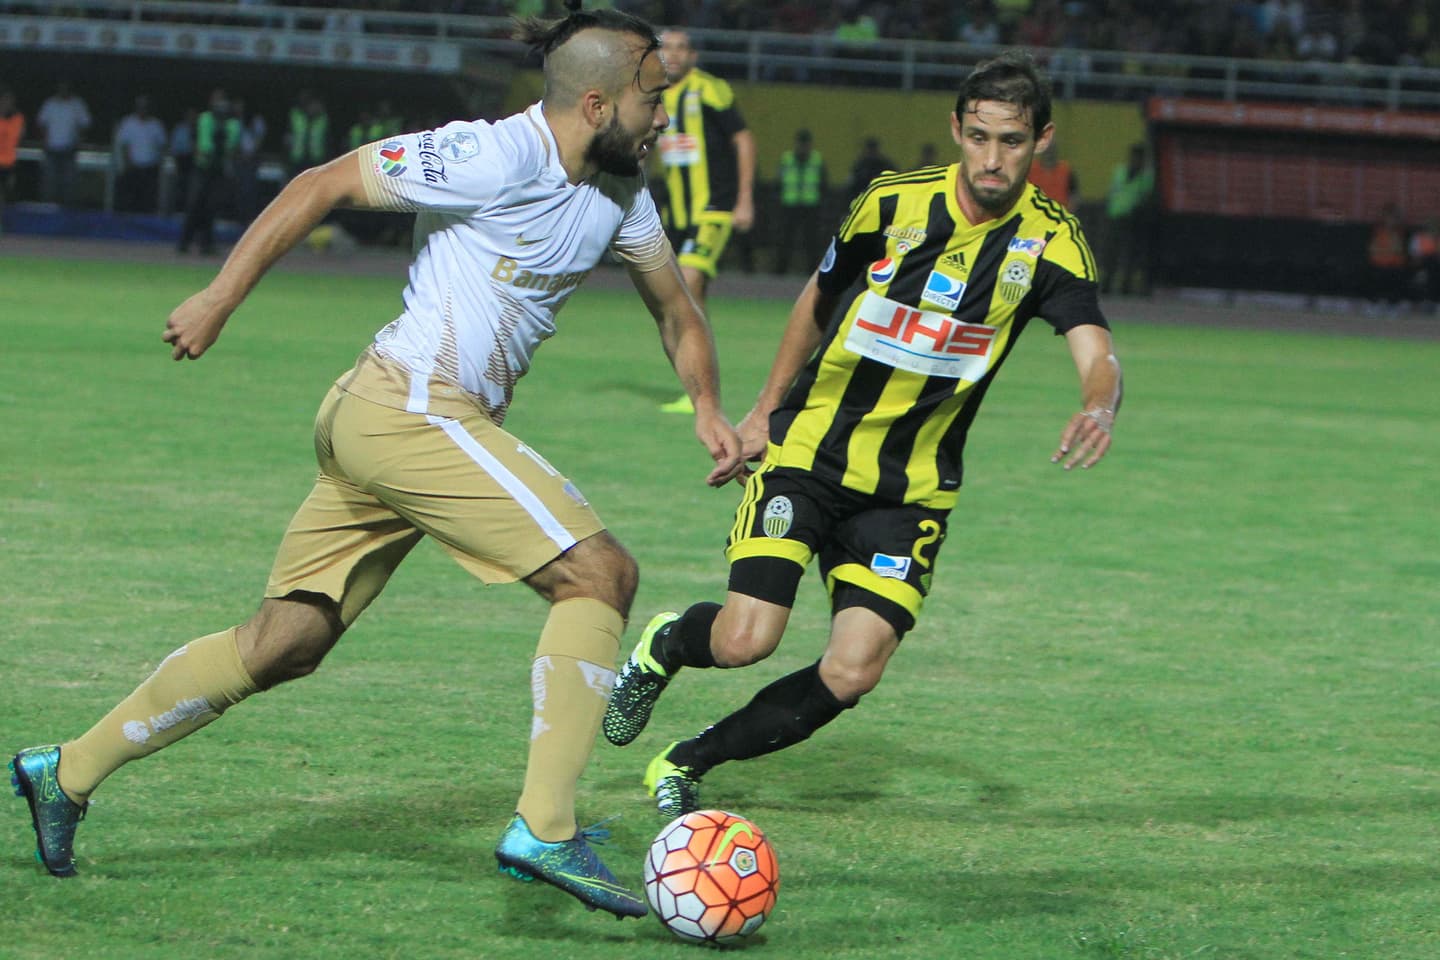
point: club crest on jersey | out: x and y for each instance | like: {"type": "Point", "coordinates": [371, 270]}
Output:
{"type": "Point", "coordinates": [1015, 281]}
{"type": "Point", "coordinates": [459, 146]}
{"type": "Point", "coordinates": [392, 159]}
{"type": "Point", "coordinates": [943, 291]}
{"type": "Point", "coordinates": [1029, 247]}
{"type": "Point", "coordinates": [890, 567]}
{"type": "Point", "coordinates": [779, 516]}
{"type": "Point", "coordinates": [882, 271]}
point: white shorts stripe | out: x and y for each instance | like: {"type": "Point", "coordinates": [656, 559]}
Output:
{"type": "Point", "coordinates": [553, 528]}
{"type": "Point", "coordinates": [419, 401]}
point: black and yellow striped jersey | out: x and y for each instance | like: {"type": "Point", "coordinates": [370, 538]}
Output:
{"type": "Point", "coordinates": [701, 171]}
{"type": "Point", "coordinates": [886, 402]}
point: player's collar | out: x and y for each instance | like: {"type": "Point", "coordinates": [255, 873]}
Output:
{"type": "Point", "coordinates": [535, 113]}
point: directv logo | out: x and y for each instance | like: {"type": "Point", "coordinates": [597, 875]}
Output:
{"type": "Point", "coordinates": [943, 291]}
{"type": "Point", "coordinates": [892, 568]}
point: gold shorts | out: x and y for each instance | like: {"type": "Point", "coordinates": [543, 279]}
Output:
{"type": "Point", "coordinates": [700, 245]}
{"type": "Point", "coordinates": [389, 477]}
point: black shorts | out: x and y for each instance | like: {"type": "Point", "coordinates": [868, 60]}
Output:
{"type": "Point", "coordinates": [873, 554]}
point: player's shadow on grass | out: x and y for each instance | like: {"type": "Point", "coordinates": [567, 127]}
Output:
{"type": "Point", "coordinates": [847, 767]}
{"type": "Point", "coordinates": [661, 391]}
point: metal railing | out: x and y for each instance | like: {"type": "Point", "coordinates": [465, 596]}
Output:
{"type": "Point", "coordinates": [760, 56]}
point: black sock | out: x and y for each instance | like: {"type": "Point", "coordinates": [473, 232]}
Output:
{"type": "Point", "coordinates": [686, 642]}
{"type": "Point", "coordinates": [783, 714]}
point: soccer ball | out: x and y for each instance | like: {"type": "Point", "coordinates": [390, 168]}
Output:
{"type": "Point", "coordinates": [711, 876]}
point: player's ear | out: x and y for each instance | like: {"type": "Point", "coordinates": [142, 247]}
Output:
{"type": "Point", "coordinates": [954, 127]}
{"type": "Point", "coordinates": [595, 107]}
{"type": "Point", "coordinates": [1042, 142]}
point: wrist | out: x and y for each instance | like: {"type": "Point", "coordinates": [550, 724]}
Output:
{"type": "Point", "coordinates": [1104, 417]}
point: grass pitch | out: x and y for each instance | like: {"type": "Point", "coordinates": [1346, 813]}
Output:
{"type": "Point", "coordinates": [1182, 705]}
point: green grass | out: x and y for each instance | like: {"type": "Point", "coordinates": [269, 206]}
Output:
{"type": "Point", "coordinates": [1182, 705]}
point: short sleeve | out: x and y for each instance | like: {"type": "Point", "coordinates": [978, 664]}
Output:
{"type": "Point", "coordinates": [720, 99]}
{"type": "Point", "coordinates": [858, 242]}
{"type": "Point", "coordinates": [640, 241]}
{"type": "Point", "coordinates": [456, 168]}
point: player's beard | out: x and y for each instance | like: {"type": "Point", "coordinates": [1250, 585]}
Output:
{"type": "Point", "coordinates": [614, 151]}
{"type": "Point", "coordinates": [994, 200]}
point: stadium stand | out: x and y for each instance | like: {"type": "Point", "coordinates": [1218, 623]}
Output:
{"type": "Point", "coordinates": [1224, 186]}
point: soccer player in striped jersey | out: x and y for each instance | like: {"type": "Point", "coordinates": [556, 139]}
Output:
{"type": "Point", "coordinates": [511, 216]}
{"type": "Point", "coordinates": [709, 158]}
{"type": "Point", "coordinates": [863, 419]}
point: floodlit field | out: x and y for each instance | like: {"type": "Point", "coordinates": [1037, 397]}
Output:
{"type": "Point", "coordinates": [1183, 705]}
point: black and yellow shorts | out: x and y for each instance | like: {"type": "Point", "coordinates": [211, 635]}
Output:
{"type": "Point", "coordinates": [872, 553]}
{"type": "Point", "coordinates": [700, 245]}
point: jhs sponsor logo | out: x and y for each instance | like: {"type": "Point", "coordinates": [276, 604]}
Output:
{"type": "Point", "coordinates": [926, 342]}
{"type": "Point", "coordinates": [508, 271]}
{"type": "Point", "coordinates": [940, 334]}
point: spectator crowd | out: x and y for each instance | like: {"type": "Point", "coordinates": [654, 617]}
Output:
{"type": "Point", "coordinates": [1378, 32]}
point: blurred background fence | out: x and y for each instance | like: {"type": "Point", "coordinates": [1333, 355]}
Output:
{"type": "Point", "coordinates": [1271, 166]}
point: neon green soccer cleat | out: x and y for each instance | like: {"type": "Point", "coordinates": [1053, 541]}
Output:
{"type": "Point", "coordinates": [676, 789]}
{"type": "Point", "coordinates": [639, 685]}
{"type": "Point", "coordinates": [568, 864]}
{"type": "Point", "coordinates": [54, 815]}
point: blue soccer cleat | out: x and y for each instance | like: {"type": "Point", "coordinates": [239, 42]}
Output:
{"type": "Point", "coordinates": [33, 775]}
{"type": "Point", "coordinates": [639, 685]}
{"type": "Point", "coordinates": [568, 864]}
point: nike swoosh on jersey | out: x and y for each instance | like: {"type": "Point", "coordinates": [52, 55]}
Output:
{"type": "Point", "coordinates": [529, 243]}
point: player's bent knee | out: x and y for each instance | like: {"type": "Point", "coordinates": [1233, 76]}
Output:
{"type": "Point", "coordinates": [848, 682]}
{"type": "Point", "coordinates": [287, 638]}
{"type": "Point", "coordinates": [742, 646]}
{"type": "Point", "coordinates": [598, 567]}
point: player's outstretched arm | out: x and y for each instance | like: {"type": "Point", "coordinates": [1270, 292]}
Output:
{"type": "Point", "coordinates": [808, 318]}
{"type": "Point", "coordinates": [1086, 437]}
{"type": "Point", "coordinates": [287, 220]}
{"type": "Point", "coordinates": [690, 346]}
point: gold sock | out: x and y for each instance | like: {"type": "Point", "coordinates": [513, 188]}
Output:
{"type": "Point", "coordinates": [570, 681]}
{"type": "Point", "coordinates": [191, 687]}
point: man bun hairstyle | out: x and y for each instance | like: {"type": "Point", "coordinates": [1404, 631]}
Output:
{"type": "Point", "coordinates": [1012, 77]}
{"type": "Point", "coordinates": [545, 36]}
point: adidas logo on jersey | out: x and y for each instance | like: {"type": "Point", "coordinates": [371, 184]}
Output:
{"type": "Point", "coordinates": [955, 261]}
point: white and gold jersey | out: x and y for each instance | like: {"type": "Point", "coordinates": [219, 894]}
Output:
{"type": "Point", "coordinates": [502, 238]}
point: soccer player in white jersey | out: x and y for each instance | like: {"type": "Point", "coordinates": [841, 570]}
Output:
{"type": "Point", "coordinates": [511, 217]}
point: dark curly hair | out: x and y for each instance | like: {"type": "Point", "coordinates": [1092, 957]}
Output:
{"type": "Point", "coordinates": [1012, 78]}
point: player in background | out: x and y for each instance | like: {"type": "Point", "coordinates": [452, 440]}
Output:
{"type": "Point", "coordinates": [511, 217]}
{"type": "Point", "coordinates": [862, 423]}
{"type": "Point", "coordinates": [709, 160]}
